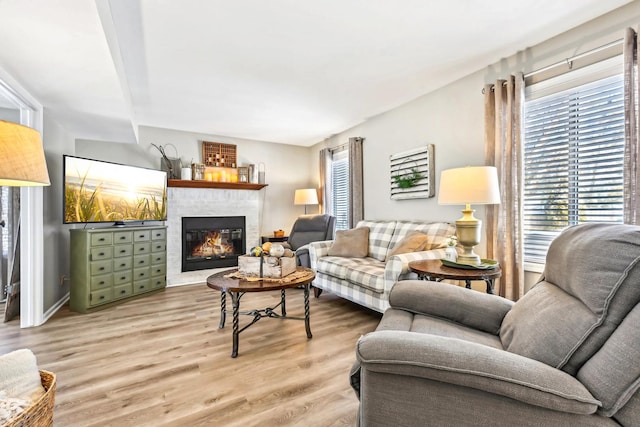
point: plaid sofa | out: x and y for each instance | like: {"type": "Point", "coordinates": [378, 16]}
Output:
{"type": "Point", "coordinates": [367, 281]}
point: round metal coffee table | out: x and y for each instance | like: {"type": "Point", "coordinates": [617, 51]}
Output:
{"type": "Point", "coordinates": [227, 283]}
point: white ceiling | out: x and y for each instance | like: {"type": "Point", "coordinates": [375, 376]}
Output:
{"type": "Point", "coordinates": [290, 71]}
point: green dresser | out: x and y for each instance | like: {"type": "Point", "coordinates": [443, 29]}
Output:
{"type": "Point", "coordinates": [111, 265]}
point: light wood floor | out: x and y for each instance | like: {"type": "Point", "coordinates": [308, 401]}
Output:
{"type": "Point", "coordinates": [162, 361]}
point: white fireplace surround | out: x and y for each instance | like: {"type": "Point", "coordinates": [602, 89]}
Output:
{"type": "Point", "coordinates": [189, 202]}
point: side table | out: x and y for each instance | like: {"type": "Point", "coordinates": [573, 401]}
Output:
{"type": "Point", "coordinates": [432, 269]}
{"type": "Point", "coordinates": [273, 239]}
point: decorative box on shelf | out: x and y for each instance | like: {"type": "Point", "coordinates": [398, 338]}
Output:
{"type": "Point", "coordinates": [272, 267]}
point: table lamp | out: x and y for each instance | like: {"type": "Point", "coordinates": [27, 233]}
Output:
{"type": "Point", "coordinates": [306, 196]}
{"type": "Point", "coordinates": [467, 186]}
{"type": "Point", "coordinates": [22, 161]}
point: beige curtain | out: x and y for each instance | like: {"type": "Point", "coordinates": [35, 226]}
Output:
{"type": "Point", "coordinates": [325, 180]}
{"type": "Point", "coordinates": [631, 154]}
{"type": "Point", "coordinates": [356, 208]}
{"type": "Point", "coordinates": [504, 105]}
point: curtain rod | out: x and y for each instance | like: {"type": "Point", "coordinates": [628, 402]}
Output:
{"type": "Point", "coordinates": [569, 61]}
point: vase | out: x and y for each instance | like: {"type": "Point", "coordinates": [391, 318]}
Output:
{"type": "Point", "coordinates": [451, 254]}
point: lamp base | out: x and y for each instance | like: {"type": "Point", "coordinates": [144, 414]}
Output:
{"type": "Point", "coordinates": [470, 258]}
{"type": "Point", "coordinates": [468, 231]}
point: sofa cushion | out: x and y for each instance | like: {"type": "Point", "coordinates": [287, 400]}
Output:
{"type": "Point", "coordinates": [589, 285]}
{"type": "Point", "coordinates": [412, 242]}
{"type": "Point", "coordinates": [352, 243]}
{"type": "Point", "coordinates": [380, 234]}
{"type": "Point", "coordinates": [437, 233]}
{"type": "Point", "coordinates": [339, 267]}
{"type": "Point", "coordinates": [370, 275]}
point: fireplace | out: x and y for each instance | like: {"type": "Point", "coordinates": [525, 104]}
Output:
{"type": "Point", "coordinates": [212, 242]}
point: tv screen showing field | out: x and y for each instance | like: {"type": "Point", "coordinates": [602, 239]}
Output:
{"type": "Point", "coordinates": [97, 191]}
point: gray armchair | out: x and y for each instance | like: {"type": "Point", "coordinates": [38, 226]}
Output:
{"type": "Point", "coordinates": [307, 229]}
{"type": "Point", "coordinates": [566, 354]}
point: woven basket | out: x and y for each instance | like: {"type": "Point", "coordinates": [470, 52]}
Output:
{"type": "Point", "coordinates": [40, 414]}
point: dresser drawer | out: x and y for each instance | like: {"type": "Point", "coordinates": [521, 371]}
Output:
{"type": "Point", "coordinates": [100, 239]}
{"type": "Point", "coordinates": [158, 246]}
{"type": "Point", "coordinates": [102, 296]}
{"type": "Point", "coordinates": [122, 237]}
{"type": "Point", "coordinates": [100, 267]}
{"type": "Point", "coordinates": [158, 258]}
{"type": "Point", "coordinates": [101, 282]}
{"type": "Point", "coordinates": [122, 291]}
{"type": "Point", "coordinates": [158, 270]}
{"type": "Point", "coordinates": [120, 264]}
{"type": "Point", "coordinates": [142, 235]}
{"type": "Point", "coordinates": [122, 277]}
{"type": "Point", "coordinates": [141, 261]}
{"type": "Point", "coordinates": [122, 251]}
{"type": "Point", "coordinates": [140, 286]}
{"type": "Point", "coordinates": [141, 273]}
{"type": "Point", "coordinates": [159, 234]}
{"type": "Point", "coordinates": [158, 282]}
{"type": "Point", "coordinates": [141, 248]}
{"type": "Point", "coordinates": [101, 253]}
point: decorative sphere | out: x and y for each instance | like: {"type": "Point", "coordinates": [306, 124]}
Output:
{"type": "Point", "coordinates": [255, 251]}
{"type": "Point", "coordinates": [276, 250]}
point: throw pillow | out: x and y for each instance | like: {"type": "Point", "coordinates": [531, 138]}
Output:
{"type": "Point", "coordinates": [412, 242]}
{"type": "Point", "coordinates": [352, 243]}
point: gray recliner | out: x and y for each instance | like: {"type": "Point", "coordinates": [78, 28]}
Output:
{"type": "Point", "coordinates": [307, 229]}
{"type": "Point", "coordinates": [566, 354]}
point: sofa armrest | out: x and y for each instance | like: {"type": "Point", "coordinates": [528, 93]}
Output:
{"type": "Point", "coordinates": [467, 364]}
{"type": "Point", "coordinates": [318, 250]}
{"type": "Point", "coordinates": [397, 266]}
{"type": "Point", "coordinates": [477, 310]}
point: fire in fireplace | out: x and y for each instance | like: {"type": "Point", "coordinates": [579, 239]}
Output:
{"type": "Point", "coordinates": [212, 242]}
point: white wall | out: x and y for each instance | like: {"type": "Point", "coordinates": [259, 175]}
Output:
{"type": "Point", "coordinates": [284, 165]}
{"type": "Point", "coordinates": [56, 142]}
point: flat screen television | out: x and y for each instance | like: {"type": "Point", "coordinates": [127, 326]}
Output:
{"type": "Point", "coordinates": [97, 191]}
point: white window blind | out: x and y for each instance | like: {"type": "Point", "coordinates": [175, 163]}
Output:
{"type": "Point", "coordinates": [340, 188]}
{"type": "Point", "coordinates": [573, 161]}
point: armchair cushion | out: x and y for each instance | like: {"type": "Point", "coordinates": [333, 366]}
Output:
{"type": "Point", "coordinates": [473, 365]}
{"type": "Point", "coordinates": [352, 243]}
{"type": "Point", "coordinates": [570, 314]}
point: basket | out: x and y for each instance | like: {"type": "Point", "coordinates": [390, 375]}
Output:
{"type": "Point", "coordinates": [40, 414]}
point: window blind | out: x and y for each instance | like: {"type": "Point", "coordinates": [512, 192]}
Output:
{"type": "Point", "coordinates": [340, 189]}
{"type": "Point", "coordinates": [573, 161]}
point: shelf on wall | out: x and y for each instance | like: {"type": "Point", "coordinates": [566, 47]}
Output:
{"type": "Point", "coordinates": [183, 183]}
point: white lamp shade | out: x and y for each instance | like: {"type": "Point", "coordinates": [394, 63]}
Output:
{"type": "Point", "coordinates": [306, 196]}
{"type": "Point", "coordinates": [473, 185]}
{"type": "Point", "coordinates": [22, 161]}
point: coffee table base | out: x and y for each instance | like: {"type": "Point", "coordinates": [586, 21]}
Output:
{"type": "Point", "coordinates": [258, 314]}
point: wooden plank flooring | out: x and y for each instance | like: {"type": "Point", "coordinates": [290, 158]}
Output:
{"type": "Point", "coordinates": [162, 361]}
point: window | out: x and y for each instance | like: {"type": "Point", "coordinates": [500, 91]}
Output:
{"type": "Point", "coordinates": [340, 188]}
{"type": "Point", "coordinates": [573, 159]}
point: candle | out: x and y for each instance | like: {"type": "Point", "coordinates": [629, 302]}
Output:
{"type": "Point", "coordinates": [209, 176]}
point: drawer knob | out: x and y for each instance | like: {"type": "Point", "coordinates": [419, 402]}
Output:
{"type": "Point", "coordinates": [123, 291]}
